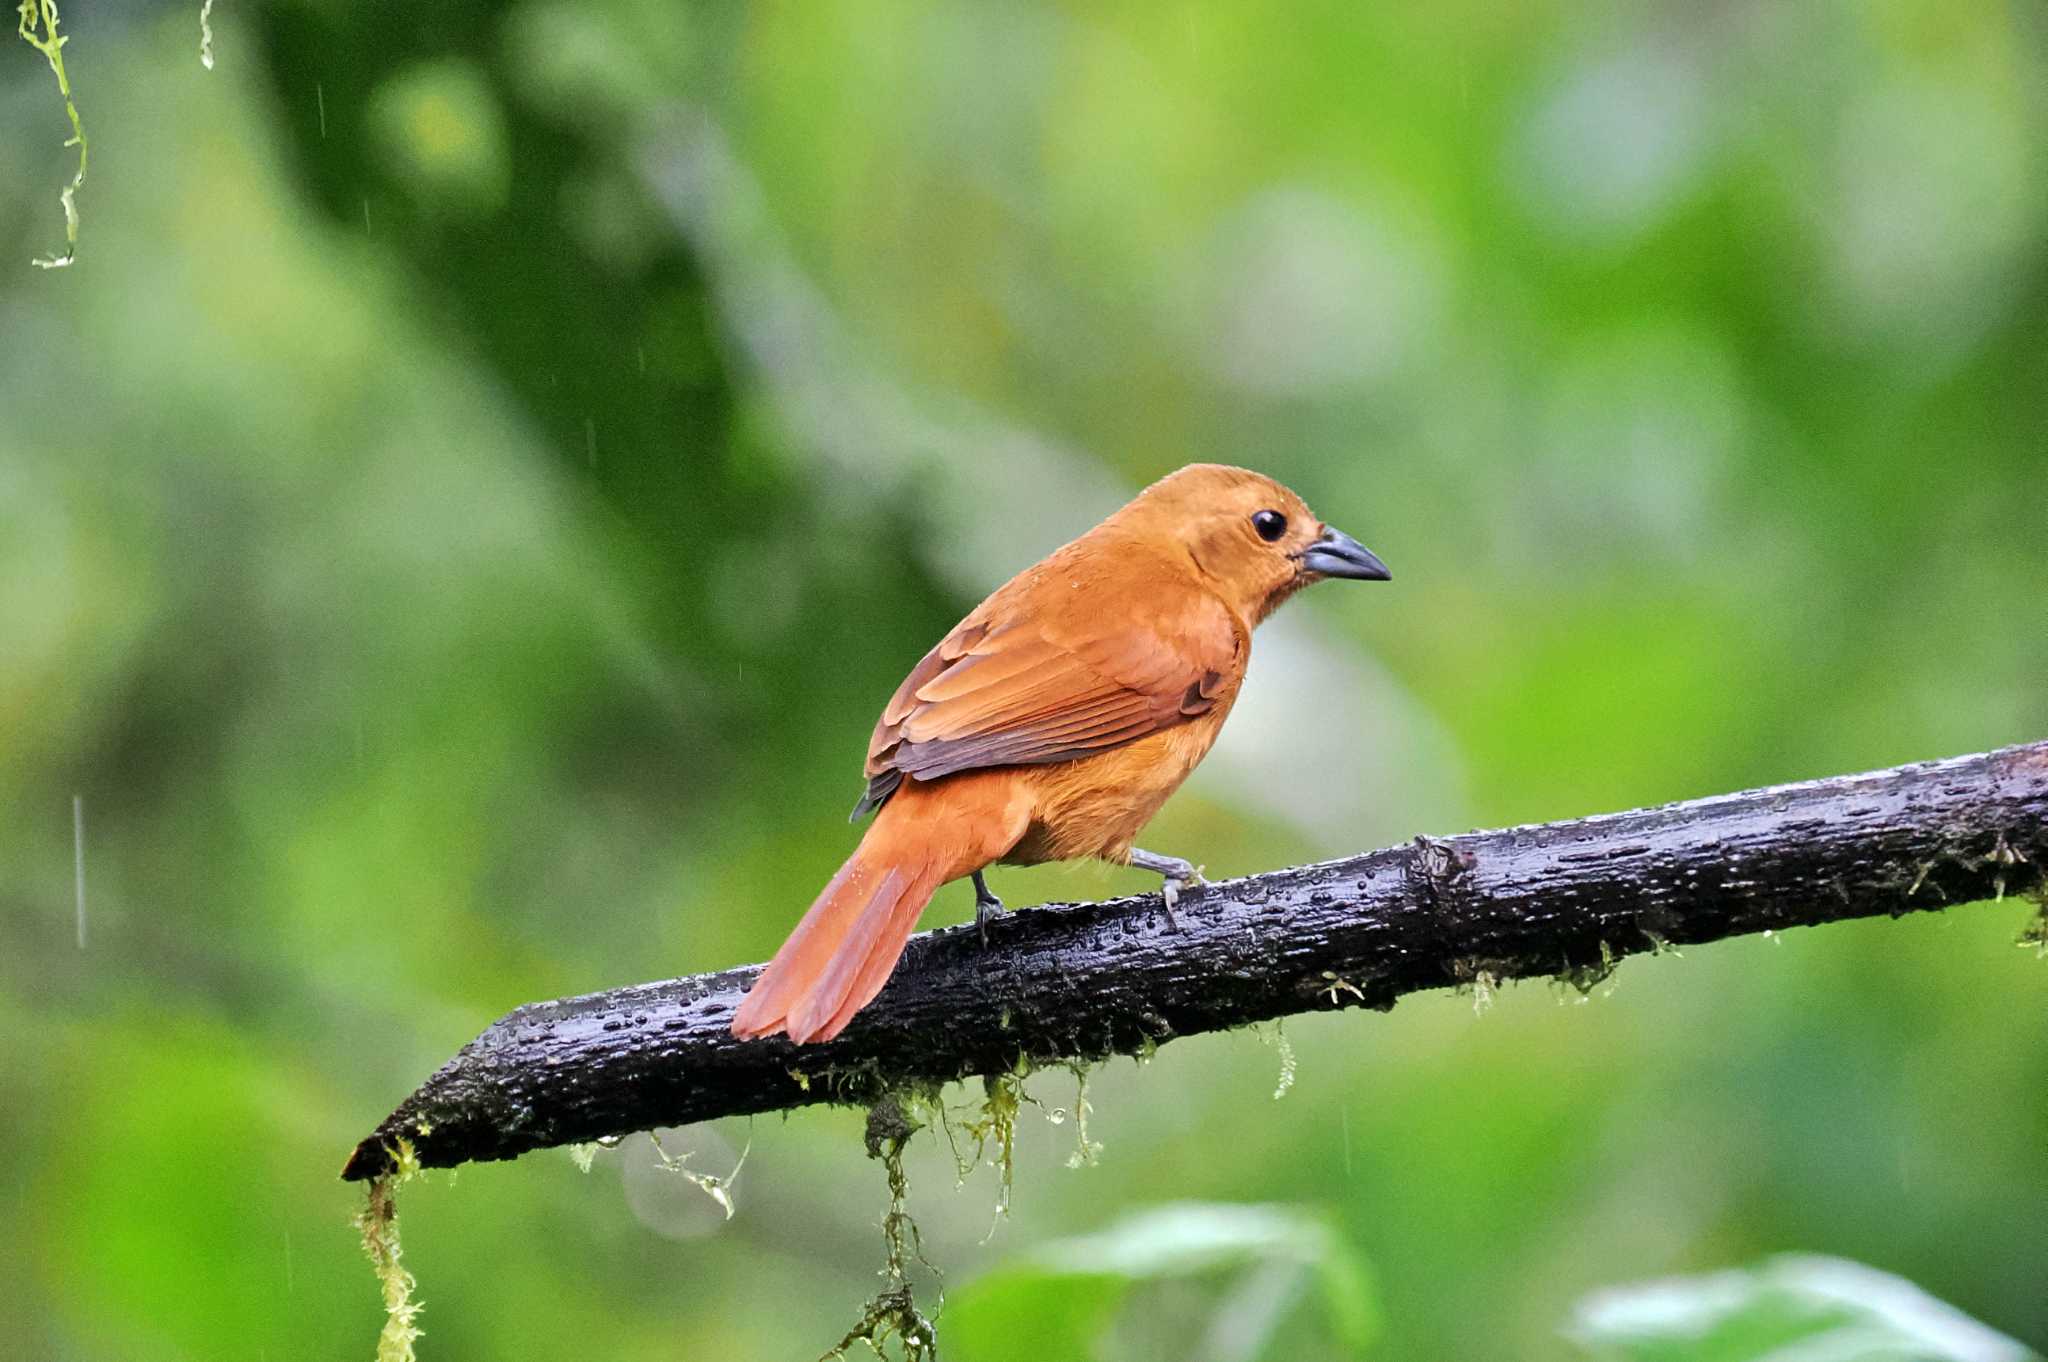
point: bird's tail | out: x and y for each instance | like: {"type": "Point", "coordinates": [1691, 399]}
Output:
{"type": "Point", "coordinates": [843, 951]}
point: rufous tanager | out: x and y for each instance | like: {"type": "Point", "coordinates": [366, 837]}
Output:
{"type": "Point", "coordinates": [1053, 721]}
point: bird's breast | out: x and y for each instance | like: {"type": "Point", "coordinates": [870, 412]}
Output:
{"type": "Point", "coordinates": [1096, 806]}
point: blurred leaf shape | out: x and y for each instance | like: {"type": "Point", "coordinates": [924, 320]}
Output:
{"type": "Point", "coordinates": [1194, 1281]}
{"type": "Point", "coordinates": [444, 136]}
{"type": "Point", "coordinates": [1794, 1308]}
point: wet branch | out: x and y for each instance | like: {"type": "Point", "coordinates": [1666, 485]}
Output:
{"type": "Point", "coordinates": [1093, 979]}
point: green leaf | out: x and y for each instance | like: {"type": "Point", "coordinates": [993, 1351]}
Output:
{"type": "Point", "coordinates": [1790, 1309]}
{"type": "Point", "coordinates": [1222, 1283]}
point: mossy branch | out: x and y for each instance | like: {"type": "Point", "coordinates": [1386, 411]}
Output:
{"type": "Point", "coordinates": [1562, 900]}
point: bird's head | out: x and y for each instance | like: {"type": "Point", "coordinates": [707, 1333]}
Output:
{"type": "Point", "coordinates": [1255, 541]}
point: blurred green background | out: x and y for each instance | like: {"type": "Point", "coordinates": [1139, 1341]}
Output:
{"type": "Point", "coordinates": [463, 510]}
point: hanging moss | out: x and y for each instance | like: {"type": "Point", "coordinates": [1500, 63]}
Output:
{"type": "Point", "coordinates": [713, 1185]}
{"type": "Point", "coordinates": [1086, 1151]}
{"type": "Point", "coordinates": [378, 1222]}
{"type": "Point", "coordinates": [893, 1313]}
{"type": "Point", "coordinates": [2035, 933]}
{"type": "Point", "coordinates": [1003, 1099]}
{"type": "Point", "coordinates": [38, 28]}
{"type": "Point", "coordinates": [1275, 1036]}
{"type": "Point", "coordinates": [1583, 979]}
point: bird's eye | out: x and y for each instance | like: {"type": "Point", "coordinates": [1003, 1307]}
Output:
{"type": "Point", "coordinates": [1270, 525]}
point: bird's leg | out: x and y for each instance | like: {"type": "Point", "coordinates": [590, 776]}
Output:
{"type": "Point", "coordinates": [1177, 875]}
{"type": "Point", "coordinates": [986, 905]}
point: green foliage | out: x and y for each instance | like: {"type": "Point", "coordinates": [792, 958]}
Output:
{"type": "Point", "coordinates": [1190, 1279]}
{"type": "Point", "coordinates": [440, 122]}
{"type": "Point", "coordinates": [448, 585]}
{"type": "Point", "coordinates": [1788, 1307]}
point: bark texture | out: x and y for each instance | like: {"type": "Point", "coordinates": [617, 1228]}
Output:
{"type": "Point", "coordinates": [1093, 979]}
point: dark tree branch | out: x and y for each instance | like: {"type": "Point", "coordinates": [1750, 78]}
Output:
{"type": "Point", "coordinates": [1093, 979]}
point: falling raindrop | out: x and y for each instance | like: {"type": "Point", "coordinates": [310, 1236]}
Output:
{"type": "Point", "coordinates": [78, 862]}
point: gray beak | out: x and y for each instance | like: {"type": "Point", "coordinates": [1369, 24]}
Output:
{"type": "Point", "coordinates": [1337, 554]}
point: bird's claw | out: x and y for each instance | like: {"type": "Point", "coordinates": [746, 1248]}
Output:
{"type": "Point", "coordinates": [986, 906]}
{"type": "Point", "coordinates": [1170, 889]}
{"type": "Point", "coordinates": [1175, 875]}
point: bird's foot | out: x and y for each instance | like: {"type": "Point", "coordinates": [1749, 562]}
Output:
{"type": "Point", "coordinates": [1176, 875]}
{"type": "Point", "coordinates": [986, 906]}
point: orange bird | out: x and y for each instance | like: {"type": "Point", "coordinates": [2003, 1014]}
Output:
{"type": "Point", "coordinates": [1053, 721]}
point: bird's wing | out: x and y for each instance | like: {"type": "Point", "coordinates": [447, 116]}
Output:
{"type": "Point", "coordinates": [1014, 685]}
